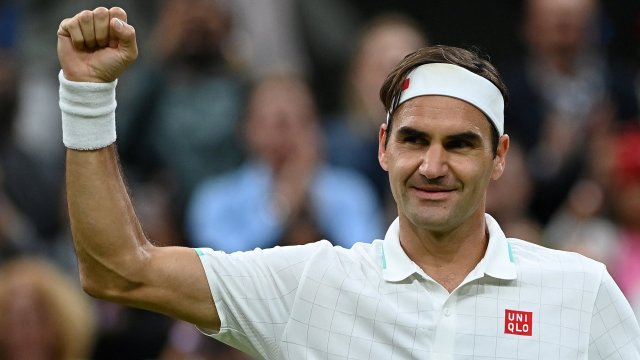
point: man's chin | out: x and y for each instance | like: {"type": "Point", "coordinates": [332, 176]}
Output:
{"type": "Point", "coordinates": [436, 220]}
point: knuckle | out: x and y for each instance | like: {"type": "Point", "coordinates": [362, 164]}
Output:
{"type": "Point", "coordinates": [118, 11]}
{"type": "Point", "coordinates": [65, 23]}
{"type": "Point", "coordinates": [85, 15]}
{"type": "Point", "coordinates": [101, 11]}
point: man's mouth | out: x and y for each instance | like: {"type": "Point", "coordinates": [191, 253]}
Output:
{"type": "Point", "coordinates": [433, 192]}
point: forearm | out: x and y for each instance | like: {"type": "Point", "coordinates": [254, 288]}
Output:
{"type": "Point", "coordinates": [116, 261]}
{"type": "Point", "coordinates": [107, 236]}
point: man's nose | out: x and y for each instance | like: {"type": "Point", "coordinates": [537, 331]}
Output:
{"type": "Point", "coordinates": [434, 162]}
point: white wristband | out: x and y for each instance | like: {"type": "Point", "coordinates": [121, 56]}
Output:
{"type": "Point", "coordinates": [88, 113]}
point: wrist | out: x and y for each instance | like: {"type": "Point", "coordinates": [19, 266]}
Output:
{"type": "Point", "coordinates": [88, 113]}
{"type": "Point", "coordinates": [69, 73]}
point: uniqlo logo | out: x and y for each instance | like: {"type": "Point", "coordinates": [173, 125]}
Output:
{"type": "Point", "coordinates": [518, 322]}
{"type": "Point", "coordinates": [405, 84]}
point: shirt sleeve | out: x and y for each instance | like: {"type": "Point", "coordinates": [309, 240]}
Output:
{"type": "Point", "coordinates": [254, 292]}
{"type": "Point", "coordinates": [614, 329]}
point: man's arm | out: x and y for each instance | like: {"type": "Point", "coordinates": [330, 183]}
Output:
{"type": "Point", "coordinates": [116, 261]}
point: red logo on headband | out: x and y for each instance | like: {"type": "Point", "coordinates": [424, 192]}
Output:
{"type": "Point", "coordinates": [405, 84]}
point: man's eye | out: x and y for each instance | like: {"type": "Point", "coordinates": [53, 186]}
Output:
{"type": "Point", "coordinates": [459, 144]}
{"type": "Point", "coordinates": [414, 140]}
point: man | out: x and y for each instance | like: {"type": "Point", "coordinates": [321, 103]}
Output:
{"type": "Point", "coordinates": [445, 283]}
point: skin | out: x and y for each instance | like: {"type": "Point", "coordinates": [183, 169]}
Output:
{"type": "Point", "coordinates": [116, 260]}
{"type": "Point", "coordinates": [440, 163]}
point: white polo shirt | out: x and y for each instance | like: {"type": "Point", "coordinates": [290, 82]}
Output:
{"type": "Point", "coordinates": [317, 301]}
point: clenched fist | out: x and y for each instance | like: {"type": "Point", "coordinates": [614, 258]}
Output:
{"type": "Point", "coordinates": [96, 46]}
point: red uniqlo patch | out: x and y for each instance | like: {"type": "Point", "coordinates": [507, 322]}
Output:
{"type": "Point", "coordinates": [518, 322]}
{"type": "Point", "coordinates": [405, 84]}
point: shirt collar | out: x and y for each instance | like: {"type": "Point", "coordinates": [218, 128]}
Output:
{"type": "Point", "coordinates": [498, 260]}
{"type": "Point", "coordinates": [396, 265]}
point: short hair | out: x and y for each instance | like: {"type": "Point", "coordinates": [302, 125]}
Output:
{"type": "Point", "coordinates": [392, 87]}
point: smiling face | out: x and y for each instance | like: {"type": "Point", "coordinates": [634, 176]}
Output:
{"type": "Point", "coordinates": [440, 161]}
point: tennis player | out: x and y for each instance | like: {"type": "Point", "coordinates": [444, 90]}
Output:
{"type": "Point", "coordinates": [444, 283]}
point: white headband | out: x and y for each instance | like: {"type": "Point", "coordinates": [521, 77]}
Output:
{"type": "Point", "coordinates": [458, 82]}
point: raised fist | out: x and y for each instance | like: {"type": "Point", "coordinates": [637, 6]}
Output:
{"type": "Point", "coordinates": [96, 46]}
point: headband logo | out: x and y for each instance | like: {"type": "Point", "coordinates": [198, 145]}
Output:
{"type": "Point", "coordinates": [405, 84]}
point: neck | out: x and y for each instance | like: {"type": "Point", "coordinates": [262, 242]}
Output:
{"type": "Point", "coordinates": [447, 257]}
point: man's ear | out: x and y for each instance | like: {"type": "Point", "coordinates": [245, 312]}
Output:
{"type": "Point", "coordinates": [382, 146]}
{"type": "Point", "coordinates": [501, 156]}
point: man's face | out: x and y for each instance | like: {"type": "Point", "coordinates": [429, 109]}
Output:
{"type": "Point", "coordinates": [440, 161]}
{"type": "Point", "coordinates": [281, 123]}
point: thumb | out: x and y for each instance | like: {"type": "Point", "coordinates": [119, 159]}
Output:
{"type": "Point", "coordinates": [124, 38]}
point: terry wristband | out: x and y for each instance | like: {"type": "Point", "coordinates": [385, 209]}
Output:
{"type": "Point", "coordinates": [88, 113]}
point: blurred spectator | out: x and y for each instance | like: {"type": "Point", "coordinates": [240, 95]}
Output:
{"type": "Point", "coordinates": [29, 186]}
{"type": "Point", "coordinates": [285, 193]}
{"type": "Point", "coordinates": [266, 37]}
{"type": "Point", "coordinates": [563, 91]}
{"type": "Point", "coordinates": [329, 29]}
{"type": "Point", "coordinates": [15, 232]}
{"type": "Point", "coordinates": [625, 193]}
{"type": "Point", "coordinates": [43, 315]}
{"type": "Point", "coordinates": [128, 333]}
{"type": "Point", "coordinates": [191, 98]}
{"type": "Point", "coordinates": [352, 135]}
{"type": "Point", "coordinates": [508, 198]}
{"type": "Point", "coordinates": [581, 224]}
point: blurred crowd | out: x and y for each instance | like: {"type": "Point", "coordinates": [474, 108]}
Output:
{"type": "Point", "coordinates": [251, 124]}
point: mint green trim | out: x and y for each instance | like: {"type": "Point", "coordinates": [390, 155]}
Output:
{"type": "Point", "coordinates": [199, 252]}
{"type": "Point", "coordinates": [510, 253]}
{"type": "Point", "coordinates": [384, 258]}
